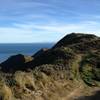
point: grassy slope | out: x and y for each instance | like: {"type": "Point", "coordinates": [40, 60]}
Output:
{"type": "Point", "coordinates": [64, 73]}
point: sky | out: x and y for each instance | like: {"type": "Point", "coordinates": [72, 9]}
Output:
{"type": "Point", "coordinates": [31, 21]}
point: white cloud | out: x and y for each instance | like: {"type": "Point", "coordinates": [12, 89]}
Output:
{"type": "Point", "coordinates": [29, 32]}
{"type": "Point", "coordinates": [85, 26]}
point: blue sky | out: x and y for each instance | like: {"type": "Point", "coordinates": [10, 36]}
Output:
{"type": "Point", "coordinates": [28, 21]}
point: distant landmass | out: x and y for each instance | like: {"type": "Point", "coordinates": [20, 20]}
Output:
{"type": "Point", "coordinates": [70, 70]}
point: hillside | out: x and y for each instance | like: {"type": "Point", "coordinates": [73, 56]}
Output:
{"type": "Point", "coordinates": [70, 70]}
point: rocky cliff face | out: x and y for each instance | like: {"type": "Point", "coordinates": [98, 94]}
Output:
{"type": "Point", "coordinates": [67, 71]}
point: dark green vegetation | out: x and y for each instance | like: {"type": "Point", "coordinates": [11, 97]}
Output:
{"type": "Point", "coordinates": [90, 68]}
{"type": "Point", "coordinates": [75, 59]}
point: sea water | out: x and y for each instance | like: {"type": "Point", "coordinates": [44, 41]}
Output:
{"type": "Point", "coordinates": [7, 50]}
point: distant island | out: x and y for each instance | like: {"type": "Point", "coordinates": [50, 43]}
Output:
{"type": "Point", "coordinates": [70, 70]}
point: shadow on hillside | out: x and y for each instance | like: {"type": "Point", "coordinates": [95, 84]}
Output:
{"type": "Point", "coordinates": [13, 63]}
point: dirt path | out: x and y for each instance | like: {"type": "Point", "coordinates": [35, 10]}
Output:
{"type": "Point", "coordinates": [75, 93]}
{"type": "Point", "coordinates": [78, 90]}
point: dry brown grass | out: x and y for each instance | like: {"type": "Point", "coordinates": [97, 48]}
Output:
{"type": "Point", "coordinates": [39, 86]}
{"type": "Point", "coordinates": [5, 92]}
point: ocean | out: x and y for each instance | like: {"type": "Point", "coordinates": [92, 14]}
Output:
{"type": "Point", "coordinates": [7, 50]}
